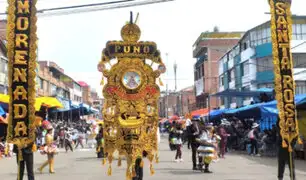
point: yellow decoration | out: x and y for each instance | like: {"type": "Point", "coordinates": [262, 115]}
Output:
{"type": "Point", "coordinates": [141, 164]}
{"type": "Point", "coordinates": [34, 148]}
{"type": "Point", "coordinates": [131, 98]}
{"type": "Point", "coordinates": [103, 161]}
{"type": "Point", "coordinates": [133, 172]}
{"type": "Point", "coordinates": [152, 172]}
{"type": "Point", "coordinates": [161, 82]}
{"type": "Point", "coordinates": [119, 162]}
{"type": "Point", "coordinates": [21, 52]}
{"type": "Point", "coordinates": [102, 82]}
{"type": "Point", "coordinates": [109, 171]}
{"type": "Point", "coordinates": [157, 158]}
{"type": "Point", "coordinates": [281, 32]}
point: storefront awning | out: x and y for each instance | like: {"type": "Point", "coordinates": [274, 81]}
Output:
{"type": "Point", "coordinates": [237, 93]}
{"type": "Point", "coordinates": [49, 102]}
{"type": "Point", "coordinates": [200, 112]}
{"type": "Point", "coordinates": [4, 98]}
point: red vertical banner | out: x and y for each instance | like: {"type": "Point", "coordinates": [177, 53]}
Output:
{"type": "Point", "coordinates": [21, 37]}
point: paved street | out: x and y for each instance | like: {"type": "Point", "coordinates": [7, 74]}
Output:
{"type": "Point", "coordinates": [83, 164]}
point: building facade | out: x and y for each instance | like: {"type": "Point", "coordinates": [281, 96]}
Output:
{"type": "Point", "coordinates": [86, 93]}
{"type": "Point", "coordinates": [248, 66]}
{"type": "Point", "coordinates": [3, 68]}
{"type": "Point", "coordinates": [49, 82]}
{"type": "Point", "coordinates": [208, 49]}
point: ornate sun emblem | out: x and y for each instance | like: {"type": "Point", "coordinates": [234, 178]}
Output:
{"type": "Point", "coordinates": [130, 32]}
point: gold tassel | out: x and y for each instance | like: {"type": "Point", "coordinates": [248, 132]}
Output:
{"type": "Point", "coordinates": [284, 144]}
{"type": "Point", "coordinates": [152, 172]}
{"type": "Point", "coordinates": [133, 172]}
{"type": "Point", "coordinates": [300, 141]}
{"type": "Point", "coordinates": [161, 82]}
{"type": "Point", "coordinates": [141, 164]}
{"type": "Point", "coordinates": [119, 162]}
{"type": "Point", "coordinates": [109, 171]}
{"type": "Point", "coordinates": [6, 151]}
{"type": "Point", "coordinates": [34, 148]}
{"type": "Point", "coordinates": [102, 81]}
{"type": "Point", "coordinates": [156, 158]}
{"type": "Point", "coordinates": [128, 174]}
{"type": "Point", "coordinates": [103, 161]}
{"type": "Point", "coordinates": [290, 148]}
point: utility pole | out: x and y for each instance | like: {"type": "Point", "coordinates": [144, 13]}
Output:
{"type": "Point", "coordinates": [167, 98]}
{"type": "Point", "coordinates": [175, 79]}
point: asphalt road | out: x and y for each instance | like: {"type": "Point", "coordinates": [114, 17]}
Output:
{"type": "Point", "coordinates": [83, 165]}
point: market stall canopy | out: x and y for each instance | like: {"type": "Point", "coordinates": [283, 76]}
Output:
{"type": "Point", "coordinates": [237, 93]}
{"type": "Point", "coordinates": [49, 102]}
{"type": "Point", "coordinates": [2, 112]}
{"type": "Point", "coordinates": [4, 98]}
{"type": "Point", "coordinates": [200, 112]}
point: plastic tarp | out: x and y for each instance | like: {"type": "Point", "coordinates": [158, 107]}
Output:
{"type": "Point", "coordinates": [216, 113]}
{"type": "Point", "coordinates": [4, 98]}
{"type": "Point", "coordinates": [2, 112]}
{"type": "Point", "coordinates": [200, 112]}
{"type": "Point", "coordinates": [49, 102]}
{"type": "Point", "coordinates": [4, 120]}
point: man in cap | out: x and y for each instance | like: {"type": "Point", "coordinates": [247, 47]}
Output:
{"type": "Point", "coordinates": [194, 134]}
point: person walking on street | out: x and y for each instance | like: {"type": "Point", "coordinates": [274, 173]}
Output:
{"type": "Point", "coordinates": [178, 133]}
{"type": "Point", "coordinates": [194, 134]}
{"type": "Point", "coordinates": [28, 161]}
{"type": "Point", "coordinates": [284, 157]}
{"type": "Point", "coordinates": [223, 134]}
{"type": "Point", "coordinates": [253, 136]}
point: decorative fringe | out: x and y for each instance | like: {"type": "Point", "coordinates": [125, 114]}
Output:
{"type": "Point", "coordinates": [141, 164]}
{"type": "Point", "coordinates": [102, 81]}
{"type": "Point", "coordinates": [152, 172]}
{"type": "Point", "coordinates": [34, 148]}
{"type": "Point", "coordinates": [6, 151]}
{"type": "Point", "coordinates": [300, 141]}
{"type": "Point", "coordinates": [119, 162]}
{"type": "Point", "coordinates": [161, 82]}
{"type": "Point", "coordinates": [156, 158]}
{"type": "Point", "coordinates": [284, 144]}
{"type": "Point", "coordinates": [103, 161]}
{"type": "Point", "coordinates": [133, 172]}
{"type": "Point", "coordinates": [128, 174]}
{"type": "Point", "coordinates": [109, 171]}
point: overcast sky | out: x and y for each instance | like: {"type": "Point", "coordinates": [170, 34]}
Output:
{"type": "Point", "coordinates": [75, 42]}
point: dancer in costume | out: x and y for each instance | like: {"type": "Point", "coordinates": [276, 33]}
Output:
{"type": "Point", "coordinates": [50, 149]}
{"type": "Point", "coordinates": [206, 149]}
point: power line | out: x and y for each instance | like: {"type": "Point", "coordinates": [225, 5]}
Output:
{"type": "Point", "coordinates": [95, 7]}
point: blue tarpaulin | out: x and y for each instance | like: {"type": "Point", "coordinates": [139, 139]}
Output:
{"type": "Point", "coordinates": [265, 112]}
{"type": "Point", "coordinates": [2, 112]}
{"type": "Point", "coordinates": [217, 113]}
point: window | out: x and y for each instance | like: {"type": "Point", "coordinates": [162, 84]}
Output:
{"type": "Point", "coordinates": [232, 74]}
{"type": "Point", "coordinates": [244, 68]}
{"type": "Point", "coordinates": [265, 64]}
{"type": "Point", "coordinates": [222, 101]}
{"type": "Point", "coordinates": [53, 89]}
{"type": "Point", "coordinates": [221, 81]}
{"type": "Point", "coordinates": [300, 88]}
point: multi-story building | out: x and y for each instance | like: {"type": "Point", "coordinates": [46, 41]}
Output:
{"type": "Point", "coordinates": [3, 68]}
{"type": "Point", "coordinates": [86, 93]}
{"type": "Point", "coordinates": [208, 49]}
{"type": "Point", "coordinates": [49, 81]}
{"type": "Point", "coordinates": [186, 101]}
{"type": "Point", "coordinates": [3, 58]}
{"type": "Point", "coordinates": [248, 65]}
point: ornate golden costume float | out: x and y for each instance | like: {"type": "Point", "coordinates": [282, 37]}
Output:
{"type": "Point", "coordinates": [131, 97]}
